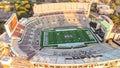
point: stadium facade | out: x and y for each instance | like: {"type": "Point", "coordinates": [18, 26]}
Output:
{"type": "Point", "coordinates": [26, 38]}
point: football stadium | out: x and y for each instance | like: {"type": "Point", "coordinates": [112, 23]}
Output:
{"type": "Point", "coordinates": [61, 38]}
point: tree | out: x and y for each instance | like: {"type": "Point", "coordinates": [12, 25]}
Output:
{"type": "Point", "coordinates": [106, 1]}
{"type": "Point", "coordinates": [113, 6]}
{"type": "Point", "coordinates": [93, 24]}
{"type": "Point", "coordinates": [74, 0]}
{"type": "Point", "coordinates": [2, 27]}
{"type": "Point", "coordinates": [4, 50]}
{"type": "Point", "coordinates": [23, 8]}
{"type": "Point", "coordinates": [27, 6]}
{"type": "Point", "coordinates": [1, 4]}
{"type": "Point", "coordinates": [116, 19]}
{"type": "Point", "coordinates": [22, 14]}
{"type": "Point", "coordinates": [24, 2]}
{"type": "Point", "coordinates": [16, 6]}
{"type": "Point", "coordinates": [93, 7]}
{"type": "Point", "coordinates": [12, 1]}
{"type": "Point", "coordinates": [117, 2]}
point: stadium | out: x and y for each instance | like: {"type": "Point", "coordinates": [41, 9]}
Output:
{"type": "Point", "coordinates": [62, 38]}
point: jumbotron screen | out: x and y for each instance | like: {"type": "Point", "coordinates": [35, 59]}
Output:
{"type": "Point", "coordinates": [13, 23]}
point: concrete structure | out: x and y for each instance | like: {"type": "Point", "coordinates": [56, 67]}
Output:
{"type": "Point", "coordinates": [84, 8]}
{"type": "Point", "coordinates": [106, 25]}
{"type": "Point", "coordinates": [6, 61]}
{"type": "Point", "coordinates": [104, 9]}
{"type": "Point", "coordinates": [13, 27]}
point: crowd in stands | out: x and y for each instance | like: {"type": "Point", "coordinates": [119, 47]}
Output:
{"type": "Point", "coordinates": [30, 39]}
{"type": "Point", "coordinates": [94, 53]}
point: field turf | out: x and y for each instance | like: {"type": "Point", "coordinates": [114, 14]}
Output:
{"type": "Point", "coordinates": [53, 37]}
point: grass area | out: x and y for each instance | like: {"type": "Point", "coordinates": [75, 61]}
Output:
{"type": "Point", "coordinates": [72, 36]}
{"type": "Point", "coordinates": [54, 38]}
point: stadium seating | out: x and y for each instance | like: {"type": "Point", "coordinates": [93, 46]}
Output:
{"type": "Point", "coordinates": [81, 8]}
{"type": "Point", "coordinates": [46, 21]}
{"type": "Point", "coordinates": [36, 40]}
{"type": "Point", "coordinates": [30, 38]}
{"type": "Point", "coordinates": [76, 56]}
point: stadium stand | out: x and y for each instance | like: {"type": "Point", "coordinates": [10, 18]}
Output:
{"type": "Point", "coordinates": [58, 7]}
{"type": "Point", "coordinates": [96, 53]}
{"type": "Point", "coordinates": [29, 44]}
{"type": "Point", "coordinates": [34, 25]}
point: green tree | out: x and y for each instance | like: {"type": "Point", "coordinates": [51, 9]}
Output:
{"type": "Point", "coordinates": [1, 4]}
{"type": "Point", "coordinates": [106, 1]}
{"type": "Point", "coordinates": [16, 6]}
{"type": "Point", "coordinates": [23, 8]}
{"type": "Point", "coordinates": [117, 2]}
{"type": "Point", "coordinates": [113, 6]}
{"type": "Point", "coordinates": [93, 7]}
{"type": "Point", "coordinates": [74, 0]}
{"type": "Point", "coordinates": [24, 2]}
{"type": "Point", "coordinates": [27, 6]}
{"type": "Point", "coordinates": [2, 27]}
{"type": "Point", "coordinates": [116, 19]}
{"type": "Point", "coordinates": [21, 12]}
{"type": "Point", "coordinates": [12, 1]}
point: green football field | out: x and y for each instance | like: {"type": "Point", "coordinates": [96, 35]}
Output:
{"type": "Point", "coordinates": [66, 36]}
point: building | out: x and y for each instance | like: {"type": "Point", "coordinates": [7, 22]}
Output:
{"type": "Point", "coordinates": [104, 9]}
{"type": "Point", "coordinates": [6, 61]}
{"type": "Point", "coordinates": [81, 7]}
